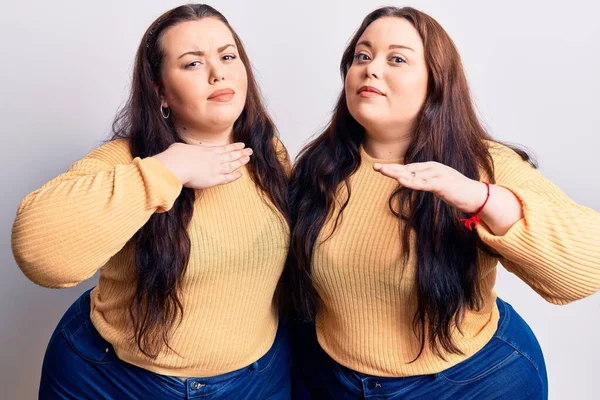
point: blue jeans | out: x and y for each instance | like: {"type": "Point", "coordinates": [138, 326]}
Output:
{"type": "Point", "coordinates": [510, 366]}
{"type": "Point", "coordinates": [80, 364]}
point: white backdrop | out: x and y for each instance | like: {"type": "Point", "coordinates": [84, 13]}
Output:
{"type": "Point", "coordinates": [532, 65]}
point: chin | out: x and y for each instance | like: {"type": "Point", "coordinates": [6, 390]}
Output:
{"type": "Point", "coordinates": [225, 117]}
{"type": "Point", "coordinates": [369, 117]}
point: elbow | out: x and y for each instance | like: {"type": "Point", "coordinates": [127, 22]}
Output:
{"type": "Point", "coordinates": [41, 266]}
{"type": "Point", "coordinates": [45, 273]}
{"type": "Point", "coordinates": [576, 290]}
{"type": "Point", "coordinates": [48, 279]}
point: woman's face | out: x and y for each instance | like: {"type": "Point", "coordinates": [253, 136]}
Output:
{"type": "Point", "coordinates": [386, 85]}
{"type": "Point", "coordinates": [204, 81]}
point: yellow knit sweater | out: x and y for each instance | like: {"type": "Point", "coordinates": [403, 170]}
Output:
{"type": "Point", "coordinates": [83, 220]}
{"type": "Point", "coordinates": [369, 294]}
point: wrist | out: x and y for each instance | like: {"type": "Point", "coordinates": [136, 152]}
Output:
{"type": "Point", "coordinates": [478, 205]}
{"type": "Point", "coordinates": [171, 161]}
{"type": "Point", "coordinates": [478, 194]}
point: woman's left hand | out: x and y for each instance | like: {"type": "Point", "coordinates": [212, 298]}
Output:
{"type": "Point", "coordinates": [448, 184]}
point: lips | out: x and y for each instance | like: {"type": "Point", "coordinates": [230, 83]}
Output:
{"type": "Point", "coordinates": [370, 89]}
{"type": "Point", "coordinates": [221, 95]}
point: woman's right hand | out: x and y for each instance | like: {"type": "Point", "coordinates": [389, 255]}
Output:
{"type": "Point", "coordinates": [203, 166]}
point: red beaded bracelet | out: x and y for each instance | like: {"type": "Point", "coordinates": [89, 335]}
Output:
{"type": "Point", "coordinates": [474, 219]}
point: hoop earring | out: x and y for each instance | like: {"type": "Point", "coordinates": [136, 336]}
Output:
{"type": "Point", "coordinates": [163, 113]}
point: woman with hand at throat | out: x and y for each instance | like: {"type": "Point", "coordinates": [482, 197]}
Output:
{"type": "Point", "coordinates": [401, 210]}
{"type": "Point", "coordinates": [185, 214]}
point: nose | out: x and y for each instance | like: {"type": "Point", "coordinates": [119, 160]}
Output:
{"type": "Point", "coordinates": [216, 73]}
{"type": "Point", "coordinates": [374, 69]}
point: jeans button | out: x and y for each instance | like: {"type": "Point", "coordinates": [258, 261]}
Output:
{"type": "Point", "coordinates": [197, 385]}
{"type": "Point", "coordinates": [373, 385]}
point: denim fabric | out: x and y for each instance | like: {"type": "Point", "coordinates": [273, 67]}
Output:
{"type": "Point", "coordinates": [80, 364]}
{"type": "Point", "coordinates": [510, 366]}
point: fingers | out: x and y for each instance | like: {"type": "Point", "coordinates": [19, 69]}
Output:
{"type": "Point", "coordinates": [414, 167]}
{"type": "Point", "coordinates": [424, 180]}
{"type": "Point", "coordinates": [423, 166]}
{"type": "Point", "coordinates": [227, 148]}
{"type": "Point", "coordinates": [229, 167]}
{"type": "Point", "coordinates": [228, 178]}
{"type": "Point", "coordinates": [420, 176]}
{"type": "Point", "coordinates": [391, 170]}
{"type": "Point", "coordinates": [234, 155]}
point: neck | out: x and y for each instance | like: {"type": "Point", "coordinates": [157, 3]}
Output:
{"type": "Point", "coordinates": [386, 149]}
{"type": "Point", "coordinates": [215, 137]}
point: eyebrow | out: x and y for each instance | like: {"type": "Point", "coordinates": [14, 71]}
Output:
{"type": "Point", "coordinates": [201, 53]}
{"type": "Point", "coordinates": [392, 46]}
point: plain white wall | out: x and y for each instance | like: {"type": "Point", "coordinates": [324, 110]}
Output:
{"type": "Point", "coordinates": [66, 65]}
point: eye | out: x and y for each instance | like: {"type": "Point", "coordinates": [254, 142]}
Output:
{"type": "Point", "coordinates": [229, 57]}
{"type": "Point", "coordinates": [361, 57]}
{"type": "Point", "coordinates": [193, 64]}
{"type": "Point", "coordinates": [397, 60]}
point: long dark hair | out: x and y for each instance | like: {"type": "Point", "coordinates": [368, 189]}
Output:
{"type": "Point", "coordinates": [162, 245]}
{"type": "Point", "coordinates": [446, 131]}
